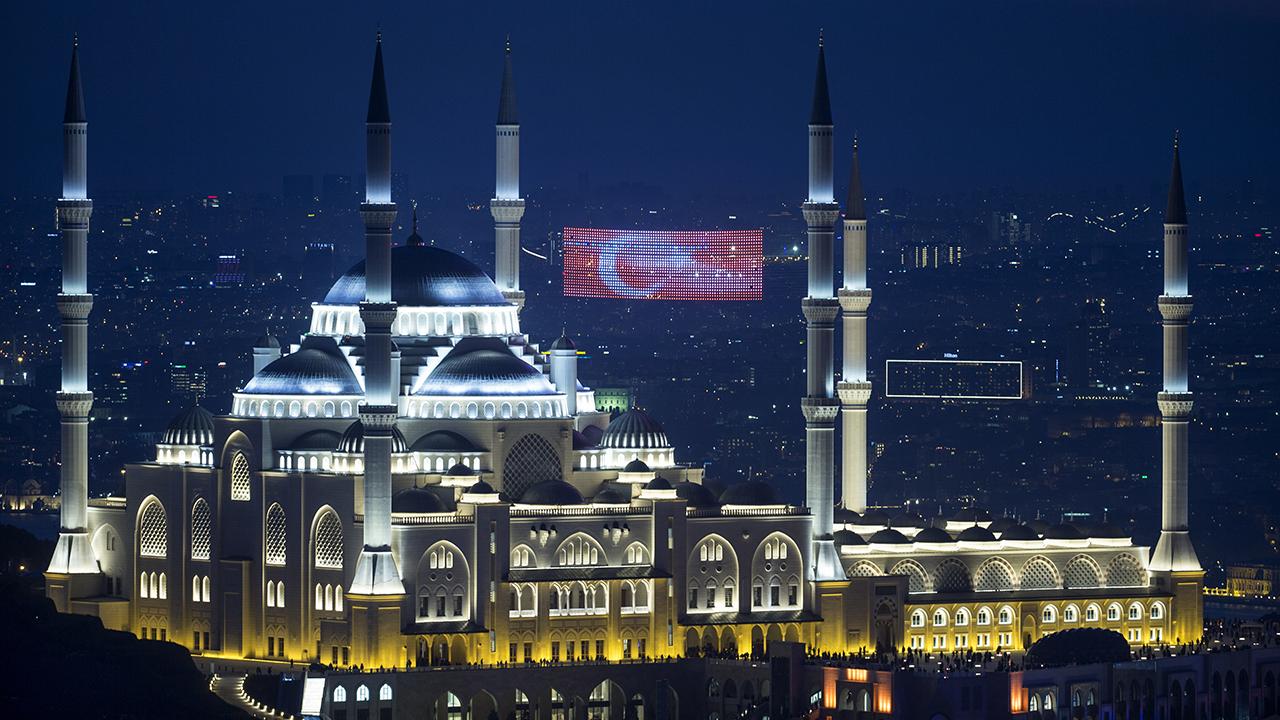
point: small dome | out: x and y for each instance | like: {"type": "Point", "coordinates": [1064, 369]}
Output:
{"type": "Point", "coordinates": [352, 441]}
{"type": "Point", "coordinates": [634, 429]}
{"type": "Point", "coordinates": [317, 368]}
{"type": "Point", "coordinates": [551, 492]}
{"type": "Point", "coordinates": [481, 488]}
{"type": "Point", "coordinates": [977, 533]}
{"type": "Point", "coordinates": [1020, 532]}
{"type": "Point", "coordinates": [613, 494]}
{"type": "Point", "coordinates": [999, 525]}
{"type": "Point", "coordinates": [1063, 531]}
{"type": "Point", "coordinates": [847, 516]}
{"type": "Point", "coordinates": [460, 470]}
{"type": "Point", "coordinates": [316, 440]}
{"type": "Point", "coordinates": [848, 537]}
{"type": "Point", "coordinates": [888, 536]}
{"type": "Point", "coordinates": [266, 342]}
{"type": "Point", "coordinates": [658, 483]}
{"type": "Point", "coordinates": [580, 441]}
{"type": "Point", "coordinates": [423, 276]}
{"type": "Point", "coordinates": [1078, 646]}
{"type": "Point", "coordinates": [193, 426]}
{"type": "Point", "coordinates": [696, 494]}
{"type": "Point", "coordinates": [875, 517]}
{"type": "Point", "coordinates": [416, 500]}
{"type": "Point", "coordinates": [933, 535]}
{"type": "Point", "coordinates": [751, 492]}
{"type": "Point", "coordinates": [484, 366]}
{"type": "Point", "coordinates": [563, 343]}
{"type": "Point", "coordinates": [636, 466]}
{"type": "Point", "coordinates": [907, 520]}
{"type": "Point", "coordinates": [970, 514]}
{"type": "Point", "coordinates": [443, 441]}
{"type": "Point", "coordinates": [1108, 531]}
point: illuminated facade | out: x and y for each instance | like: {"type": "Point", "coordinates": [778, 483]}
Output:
{"type": "Point", "coordinates": [417, 482]}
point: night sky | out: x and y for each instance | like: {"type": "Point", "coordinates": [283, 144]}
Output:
{"type": "Point", "coordinates": [695, 97]}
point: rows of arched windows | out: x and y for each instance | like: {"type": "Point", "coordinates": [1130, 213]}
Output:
{"type": "Point", "coordinates": [1049, 614]}
{"type": "Point", "coordinates": [328, 597]}
{"type": "Point", "coordinates": [153, 586]}
{"type": "Point", "coordinates": [200, 590]}
{"type": "Point", "coordinates": [339, 694]}
{"type": "Point", "coordinates": [578, 598]}
{"type": "Point", "coordinates": [421, 322]}
{"type": "Point", "coordinates": [487, 409]}
{"type": "Point", "coordinates": [275, 594]}
{"type": "Point", "coordinates": [251, 406]}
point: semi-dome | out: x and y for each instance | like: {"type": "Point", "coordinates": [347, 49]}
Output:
{"type": "Point", "coordinates": [193, 426]}
{"type": "Point", "coordinates": [551, 492]}
{"type": "Point", "coordinates": [634, 429]}
{"type": "Point", "coordinates": [484, 366]}
{"type": "Point", "coordinates": [751, 492]}
{"type": "Point", "coordinates": [593, 434]}
{"type": "Point", "coordinates": [317, 440]}
{"type": "Point", "coordinates": [1020, 532]}
{"type": "Point", "coordinates": [888, 536]}
{"type": "Point", "coordinates": [580, 442]}
{"type": "Point", "coordinates": [352, 441]}
{"type": "Point", "coordinates": [847, 538]}
{"type": "Point", "coordinates": [696, 494]}
{"type": "Point", "coordinates": [423, 276]}
{"type": "Point", "coordinates": [416, 500]}
{"type": "Point", "coordinates": [317, 368]}
{"type": "Point", "coordinates": [1063, 531]}
{"type": "Point", "coordinates": [636, 466]}
{"type": "Point", "coordinates": [443, 441]}
{"type": "Point", "coordinates": [977, 533]}
{"type": "Point", "coordinates": [933, 535]}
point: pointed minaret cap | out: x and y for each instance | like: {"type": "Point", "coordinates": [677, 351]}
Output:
{"type": "Point", "coordinates": [821, 113]}
{"type": "Point", "coordinates": [855, 207]}
{"type": "Point", "coordinates": [564, 342]}
{"type": "Point", "coordinates": [415, 239]}
{"type": "Point", "coordinates": [75, 94]}
{"type": "Point", "coordinates": [1175, 212]}
{"type": "Point", "coordinates": [507, 99]}
{"type": "Point", "coordinates": [379, 108]}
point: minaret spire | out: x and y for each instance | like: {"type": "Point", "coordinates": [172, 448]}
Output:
{"type": "Point", "coordinates": [855, 387]}
{"type": "Point", "coordinates": [376, 576]}
{"type": "Point", "coordinates": [1174, 552]}
{"type": "Point", "coordinates": [73, 569]}
{"type": "Point", "coordinates": [820, 308]}
{"type": "Point", "coordinates": [507, 207]}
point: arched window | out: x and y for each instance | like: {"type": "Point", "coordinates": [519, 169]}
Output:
{"type": "Point", "coordinates": [984, 616]}
{"type": "Point", "coordinates": [204, 585]}
{"type": "Point", "coordinates": [1006, 615]}
{"type": "Point", "coordinates": [240, 476]}
{"type": "Point", "coordinates": [917, 619]}
{"type": "Point", "coordinates": [195, 589]}
{"type": "Point", "coordinates": [280, 594]}
{"type": "Point", "coordinates": [1113, 612]}
{"type": "Point", "coordinates": [1049, 614]}
{"type": "Point", "coordinates": [1125, 571]}
{"type": "Point", "coordinates": [339, 694]}
{"type": "Point", "coordinates": [917, 582]}
{"type": "Point", "coordinates": [1081, 572]}
{"type": "Point", "coordinates": [1039, 574]}
{"type": "Point", "coordinates": [337, 598]}
{"type": "Point", "coordinates": [362, 693]}
{"type": "Point", "coordinates": [153, 531]}
{"type": "Point", "coordinates": [275, 553]}
{"type": "Point", "coordinates": [319, 597]}
{"type": "Point", "coordinates": [384, 692]}
{"type": "Point", "coordinates": [328, 540]}
{"type": "Point", "coordinates": [962, 617]}
{"type": "Point", "coordinates": [1135, 611]}
{"type": "Point", "coordinates": [1091, 613]}
{"type": "Point", "coordinates": [951, 576]}
{"type": "Point", "coordinates": [939, 618]}
{"type": "Point", "coordinates": [271, 594]}
{"type": "Point", "coordinates": [201, 530]}
{"type": "Point", "coordinates": [164, 587]}
{"type": "Point", "coordinates": [1070, 614]}
{"type": "Point", "coordinates": [993, 575]}
{"type": "Point", "coordinates": [1157, 611]}
{"type": "Point", "coordinates": [143, 590]}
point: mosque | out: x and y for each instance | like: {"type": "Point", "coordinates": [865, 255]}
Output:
{"type": "Point", "coordinates": [415, 481]}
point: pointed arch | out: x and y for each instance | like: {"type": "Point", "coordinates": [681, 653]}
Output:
{"type": "Point", "coordinates": [864, 568]}
{"type": "Point", "coordinates": [153, 529]}
{"type": "Point", "coordinates": [951, 576]}
{"type": "Point", "coordinates": [1125, 571]}
{"type": "Point", "coordinates": [711, 575]}
{"type": "Point", "coordinates": [327, 539]}
{"type": "Point", "coordinates": [992, 575]}
{"type": "Point", "coordinates": [1039, 573]}
{"type": "Point", "coordinates": [276, 535]}
{"type": "Point", "coordinates": [917, 579]}
{"type": "Point", "coordinates": [201, 530]}
{"type": "Point", "coordinates": [443, 583]}
{"type": "Point", "coordinates": [579, 549]}
{"type": "Point", "coordinates": [1082, 571]}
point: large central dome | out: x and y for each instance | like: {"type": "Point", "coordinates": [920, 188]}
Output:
{"type": "Point", "coordinates": [423, 276]}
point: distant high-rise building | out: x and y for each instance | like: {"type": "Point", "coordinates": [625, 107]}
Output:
{"type": "Point", "coordinates": [318, 268]}
{"type": "Point", "coordinates": [228, 271]}
{"type": "Point", "coordinates": [188, 382]}
{"type": "Point", "coordinates": [1099, 364]}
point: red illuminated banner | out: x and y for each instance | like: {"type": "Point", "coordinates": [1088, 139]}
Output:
{"type": "Point", "coordinates": [663, 264]}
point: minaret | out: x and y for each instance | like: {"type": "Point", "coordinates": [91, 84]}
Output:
{"type": "Point", "coordinates": [376, 572]}
{"type": "Point", "coordinates": [820, 309]}
{"type": "Point", "coordinates": [73, 557]}
{"type": "Point", "coordinates": [507, 207]}
{"type": "Point", "coordinates": [1174, 552]}
{"type": "Point", "coordinates": [854, 388]}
